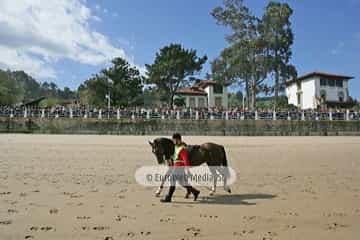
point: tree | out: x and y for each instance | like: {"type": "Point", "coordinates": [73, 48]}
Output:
{"type": "Point", "coordinates": [127, 83]}
{"type": "Point", "coordinates": [236, 99]}
{"type": "Point", "coordinates": [245, 59]}
{"type": "Point", "coordinates": [122, 81]}
{"type": "Point", "coordinates": [10, 90]}
{"type": "Point", "coordinates": [172, 68]}
{"type": "Point", "coordinates": [277, 33]}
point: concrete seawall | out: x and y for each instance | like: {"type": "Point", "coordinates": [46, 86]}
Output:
{"type": "Point", "coordinates": [186, 127]}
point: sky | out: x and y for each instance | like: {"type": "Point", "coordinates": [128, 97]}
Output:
{"type": "Point", "coordinates": [67, 41]}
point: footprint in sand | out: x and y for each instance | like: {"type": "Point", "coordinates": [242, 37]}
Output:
{"type": "Point", "coordinates": [29, 237]}
{"type": "Point", "coordinates": [243, 233]}
{"type": "Point", "coordinates": [96, 228]}
{"type": "Point", "coordinates": [334, 214]}
{"type": "Point", "coordinates": [108, 238]}
{"type": "Point", "coordinates": [194, 231]}
{"type": "Point", "coordinates": [269, 236]}
{"type": "Point", "coordinates": [167, 220]}
{"type": "Point", "coordinates": [290, 226]}
{"type": "Point", "coordinates": [43, 228]}
{"type": "Point", "coordinates": [12, 211]}
{"type": "Point", "coordinates": [249, 218]}
{"type": "Point", "coordinates": [101, 228]}
{"type": "Point", "coordinates": [74, 195]}
{"type": "Point", "coordinates": [335, 226]}
{"type": "Point", "coordinates": [119, 218]}
{"type": "Point", "coordinates": [145, 233]}
{"type": "Point", "coordinates": [53, 211]}
{"type": "Point", "coordinates": [4, 193]}
{"type": "Point", "coordinates": [209, 216]}
{"type": "Point", "coordinates": [83, 217]}
{"type": "Point", "coordinates": [292, 214]}
{"type": "Point", "coordinates": [6, 222]}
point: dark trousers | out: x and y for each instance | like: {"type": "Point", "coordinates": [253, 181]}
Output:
{"type": "Point", "coordinates": [178, 175]}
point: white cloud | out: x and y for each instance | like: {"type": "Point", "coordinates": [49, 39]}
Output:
{"type": "Point", "coordinates": [34, 34]}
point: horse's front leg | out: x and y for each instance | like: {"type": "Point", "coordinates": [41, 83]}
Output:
{"type": "Point", "coordinates": [158, 191]}
{"type": "Point", "coordinates": [161, 187]}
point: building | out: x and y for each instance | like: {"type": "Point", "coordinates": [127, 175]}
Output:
{"type": "Point", "coordinates": [204, 94]}
{"type": "Point", "coordinates": [318, 89]}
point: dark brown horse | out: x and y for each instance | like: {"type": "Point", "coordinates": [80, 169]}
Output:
{"type": "Point", "coordinates": [210, 153]}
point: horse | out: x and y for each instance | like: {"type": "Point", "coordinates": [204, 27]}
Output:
{"type": "Point", "coordinates": [210, 153]}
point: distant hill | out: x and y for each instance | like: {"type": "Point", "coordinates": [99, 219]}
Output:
{"type": "Point", "coordinates": [17, 87]}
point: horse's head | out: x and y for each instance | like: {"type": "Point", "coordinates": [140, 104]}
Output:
{"type": "Point", "coordinates": [162, 148]}
{"type": "Point", "coordinates": [158, 150]}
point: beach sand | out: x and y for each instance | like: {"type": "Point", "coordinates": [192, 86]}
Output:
{"type": "Point", "coordinates": [83, 187]}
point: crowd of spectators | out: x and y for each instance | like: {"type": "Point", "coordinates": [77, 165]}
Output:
{"type": "Point", "coordinates": [179, 113]}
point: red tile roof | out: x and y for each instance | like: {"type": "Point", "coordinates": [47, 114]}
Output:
{"type": "Point", "coordinates": [198, 88]}
{"type": "Point", "coordinates": [192, 91]}
{"type": "Point", "coordinates": [205, 83]}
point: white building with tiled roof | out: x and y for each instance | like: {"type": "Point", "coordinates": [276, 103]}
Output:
{"type": "Point", "coordinates": [204, 94]}
{"type": "Point", "coordinates": [318, 88]}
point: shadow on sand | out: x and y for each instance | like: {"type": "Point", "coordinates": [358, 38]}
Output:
{"type": "Point", "coordinates": [232, 199]}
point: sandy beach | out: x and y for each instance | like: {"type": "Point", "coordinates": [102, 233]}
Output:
{"type": "Point", "coordinates": [83, 187]}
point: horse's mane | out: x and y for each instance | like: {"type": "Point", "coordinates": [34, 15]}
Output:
{"type": "Point", "coordinates": [167, 145]}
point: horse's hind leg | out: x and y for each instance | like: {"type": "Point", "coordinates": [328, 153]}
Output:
{"type": "Point", "coordinates": [225, 174]}
{"type": "Point", "coordinates": [214, 174]}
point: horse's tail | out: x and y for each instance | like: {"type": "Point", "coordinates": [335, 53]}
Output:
{"type": "Point", "coordinates": [225, 171]}
{"type": "Point", "coordinates": [225, 163]}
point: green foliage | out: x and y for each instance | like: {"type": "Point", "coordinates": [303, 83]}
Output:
{"type": "Point", "coordinates": [48, 103]}
{"type": "Point", "coordinates": [10, 91]}
{"type": "Point", "coordinates": [268, 103]}
{"type": "Point", "coordinates": [244, 61]}
{"type": "Point", "coordinates": [236, 100]}
{"type": "Point", "coordinates": [17, 87]}
{"type": "Point", "coordinates": [179, 102]}
{"type": "Point", "coordinates": [256, 48]}
{"type": "Point", "coordinates": [277, 34]}
{"type": "Point", "coordinates": [122, 81]}
{"type": "Point", "coordinates": [172, 67]}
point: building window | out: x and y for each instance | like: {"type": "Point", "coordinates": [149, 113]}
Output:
{"type": "Point", "coordinates": [201, 102]}
{"type": "Point", "coordinates": [192, 102]}
{"type": "Point", "coordinates": [218, 89]}
{"type": "Point", "coordinates": [322, 81]}
{"type": "Point", "coordinates": [299, 99]}
{"type": "Point", "coordinates": [341, 96]}
{"type": "Point", "coordinates": [331, 82]}
{"type": "Point", "coordinates": [323, 95]}
{"type": "Point", "coordinates": [339, 83]}
{"type": "Point", "coordinates": [218, 101]}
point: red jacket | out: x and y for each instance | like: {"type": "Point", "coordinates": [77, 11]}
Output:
{"type": "Point", "coordinates": [183, 156]}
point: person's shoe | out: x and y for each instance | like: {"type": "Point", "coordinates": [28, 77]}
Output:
{"type": "Point", "coordinates": [196, 194]}
{"type": "Point", "coordinates": [166, 199]}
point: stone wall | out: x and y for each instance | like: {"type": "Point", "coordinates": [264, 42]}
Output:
{"type": "Point", "coordinates": [186, 127]}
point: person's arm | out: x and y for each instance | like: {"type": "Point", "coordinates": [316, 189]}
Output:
{"type": "Point", "coordinates": [184, 156]}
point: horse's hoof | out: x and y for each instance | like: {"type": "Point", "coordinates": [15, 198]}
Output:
{"type": "Point", "coordinates": [187, 195]}
{"type": "Point", "coordinates": [157, 194]}
{"type": "Point", "coordinates": [212, 193]}
{"type": "Point", "coordinates": [227, 189]}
